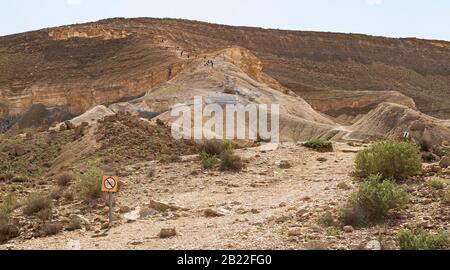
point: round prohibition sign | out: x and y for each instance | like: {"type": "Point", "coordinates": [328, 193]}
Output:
{"type": "Point", "coordinates": [110, 183]}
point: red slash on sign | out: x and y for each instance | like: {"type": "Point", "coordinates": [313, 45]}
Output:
{"type": "Point", "coordinates": [110, 183]}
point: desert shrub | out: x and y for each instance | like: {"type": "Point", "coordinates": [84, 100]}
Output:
{"type": "Point", "coordinates": [436, 183]}
{"type": "Point", "coordinates": [64, 179]}
{"type": "Point", "coordinates": [422, 240]}
{"type": "Point", "coordinates": [446, 197]}
{"type": "Point", "coordinates": [74, 224]}
{"type": "Point", "coordinates": [161, 158]}
{"type": "Point", "coordinates": [372, 201]}
{"type": "Point", "coordinates": [390, 159]}
{"type": "Point", "coordinates": [56, 193]}
{"type": "Point", "coordinates": [327, 220]}
{"type": "Point", "coordinates": [319, 145]}
{"type": "Point", "coordinates": [174, 158]}
{"type": "Point", "coordinates": [7, 176]}
{"type": "Point", "coordinates": [44, 214]}
{"type": "Point", "coordinates": [215, 147]}
{"type": "Point", "coordinates": [90, 185]}
{"type": "Point", "coordinates": [20, 179]}
{"type": "Point", "coordinates": [49, 229]}
{"type": "Point", "coordinates": [7, 230]}
{"type": "Point", "coordinates": [68, 195]}
{"type": "Point", "coordinates": [9, 204]}
{"type": "Point", "coordinates": [230, 162]}
{"type": "Point", "coordinates": [208, 160]}
{"type": "Point", "coordinates": [36, 203]}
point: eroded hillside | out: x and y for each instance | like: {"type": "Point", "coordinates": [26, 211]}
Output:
{"type": "Point", "coordinates": [104, 62]}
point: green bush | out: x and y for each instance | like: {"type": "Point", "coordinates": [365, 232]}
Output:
{"type": "Point", "coordinates": [390, 159]}
{"type": "Point", "coordinates": [208, 160]}
{"type": "Point", "coordinates": [446, 197]}
{"type": "Point", "coordinates": [7, 230]}
{"type": "Point", "coordinates": [319, 145]}
{"type": "Point", "coordinates": [9, 204]}
{"type": "Point", "coordinates": [64, 179]}
{"type": "Point", "coordinates": [90, 185]}
{"type": "Point", "coordinates": [49, 229]}
{"type": "Point", "coordinates": [5, 177]}
{"type": "Point", "coordinates": [422, 240]}
{"type": "Point", "coordinates": [215, 147]}
{"type": "Point", "coordinates": [436, 183]}
{"type": "Point", "coordinates": [37, 203]}
{"type": "Point", "coordinates": [372, 202]}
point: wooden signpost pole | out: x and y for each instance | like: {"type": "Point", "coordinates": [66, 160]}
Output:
{"type": "Point", "coordinates": [110, 195]}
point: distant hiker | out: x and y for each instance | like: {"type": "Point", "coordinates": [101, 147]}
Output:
{"type": "Point", "coordinates": [212, 63]}
{"type": "Point", "coordinates": [182, 53]}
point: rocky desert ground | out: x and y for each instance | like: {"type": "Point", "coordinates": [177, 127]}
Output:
{"type": "Point", "coordinates": [278, 201]}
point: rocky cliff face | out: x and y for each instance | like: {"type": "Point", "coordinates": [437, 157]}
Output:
{"type": "Point", "coordinates": [91, 31]}
{"type": "Point", "coordinates": [111, 60]}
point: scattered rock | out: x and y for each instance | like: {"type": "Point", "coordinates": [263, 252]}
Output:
{"type": "Point", "coordinates": [284, 164]}
{"type": "Point", "coordinates": [269, 147]}
{"type": "Point", "coordinates": [445, 162]}
{"type": "Point", "coordinates": [349, 151]}
{"type": "Point", "coordinates": [295, 232]}
{"type": "Point", "coordinates": [321, 159]}
{"type": "Point", "coordinates": [167, 233]}
{"type": "Point", "coordinates": [429, 157]}
{"type": "Point", "coordinates": [213, 213]}
{"type": "Point", "coordinates": [373, 245]}
{"type": "Point", "coordinates": [79, 132]}
{"type": "Point", "coordinates": [69, 125]}
{"type": "Point", "coordinates": [348, 229]}
{"type": "Point", "coordinates": [136, 243]}
{"type": "Point", "coordinates": [163, 207]}
{"type": "Point", "coordinates": [124, 209]}
{"type": "Point", "coordinates": [133, 215]}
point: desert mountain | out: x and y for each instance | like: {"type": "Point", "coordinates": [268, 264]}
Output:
{"type": "Point", "coordinates": [80, 66]}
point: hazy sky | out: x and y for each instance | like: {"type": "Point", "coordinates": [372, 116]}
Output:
{"type": "Point", "coordinates": [395, 18]}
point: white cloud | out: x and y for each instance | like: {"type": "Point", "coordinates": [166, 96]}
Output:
{"type": "Point", "coordinates": [374, 2]}
{"type": "Point", "coordinates": [73, 2]}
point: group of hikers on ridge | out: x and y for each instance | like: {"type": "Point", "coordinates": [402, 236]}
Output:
{"type": "Point", "coordinates": [209, 63]}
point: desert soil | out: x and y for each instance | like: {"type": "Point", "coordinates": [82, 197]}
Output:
{"type": "Point", "coordinates": [263, 207]}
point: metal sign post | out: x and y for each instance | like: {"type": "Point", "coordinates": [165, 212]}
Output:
{"type": "Point", "coordinates": [110, 185]}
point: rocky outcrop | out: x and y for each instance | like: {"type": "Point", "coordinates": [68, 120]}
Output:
{"type": "Point", "coordinates": [348, 107]}
{"type": "Point", "coordinates": [90, 31]}
{"type": "Point", "coordinates": [395, 121]}
{"type": "Point", "coordinates": [235, 78]}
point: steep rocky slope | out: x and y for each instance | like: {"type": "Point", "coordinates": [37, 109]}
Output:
{"type": "Point", "coordinates": [104, 62]}
{"type": "Point", "coordinates": [391, 120]}
{"type": "Point", "coordinates": [235, 78]}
